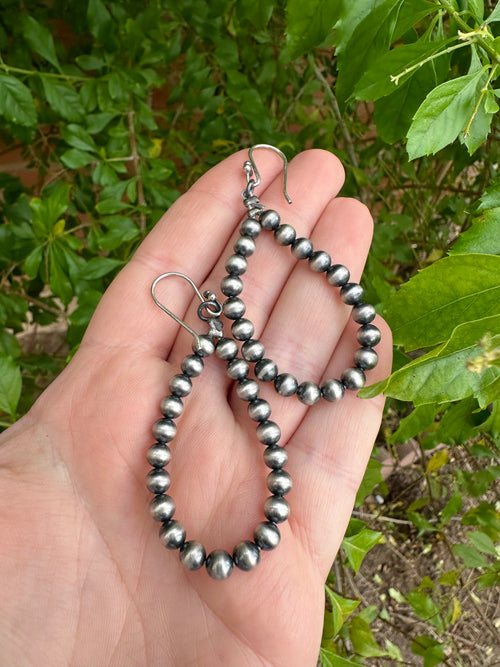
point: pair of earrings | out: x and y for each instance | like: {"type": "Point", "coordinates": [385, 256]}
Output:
{"type": "Point", "coordinates": [246, 554]}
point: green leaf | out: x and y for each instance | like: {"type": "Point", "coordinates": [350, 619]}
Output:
{"type": "Point", "coordinates": [477, 9]}
{"type": "Point", "coordinates": [63, 99]}
{"type": "Point", "coordinates": [78, 137]}
{"type": "Point", "coordinates": [89, 62]}
{"type": "Point", "coordinates": [101, 24]}
{"type": "Point", "coordinates": [342, 608]}
{"type": "Point", "coordinates": [32, 262]}
{"type": "Point", "coordinates": [428, 648]}
{"type": "Point", "coordinates": [425, 608]}
{"type": "Point", "coordinates": [371, 478]}
{"type": "Point", "coordinates": [363, 641]}
{"type": "Point", "coordinates": [482, 237]}
{"type": "Point", "coordinates": [97, 267]}
{"type": "Point", "coordinates": [453, 290]}
{"type": "Point", "coordinates": [452, 507]}
{"type": "Point", "coordinates": [415, 423]}
{"type": "Point", "coordinates": [59, 280]}
{"type": "Point", "coordinates": [357, 546]}
{"type": "Point", "coordinates": [470, 556]}
{"type": "Point", "coordinates": [309, 24]}
{"type": "Point", "coordinates": [10, 386]}
{"type": "Point", "coordinates": [495, 15]}
{"type": "Point", "coordinates": [16, 103]}
{"type": "Point", "coordinates": [48, 209]}
{"type": "Point", "coordinates": [478, 128]}
{"type": "Point", "coordinates": [444, 114]}
{"type": "Point", "coordinates": [329, 659]}
{"type": "Point", "coordinates": [491, 196]}
{"type": "Point", "coordinates": [75, 159]}
{"type": "Point", "coordinates": [411, 14]}
{"type": "Point", "coordinates": [438, 460]}
{"type": "Point", "coordinates": [40, 39]}
{"type": "Point", "coordinates": [393, 651]}
{"type": "Point", "coordinates": [482, 542]}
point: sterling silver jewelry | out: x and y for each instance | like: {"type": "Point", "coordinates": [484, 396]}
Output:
{"type": "Point", "coordinates": [246, 554]}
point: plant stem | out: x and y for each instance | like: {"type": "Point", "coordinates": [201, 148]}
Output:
{"type": "Point", "coordinates": [137, 169]}
{"type": "Point", "coordinates": [34, 72]}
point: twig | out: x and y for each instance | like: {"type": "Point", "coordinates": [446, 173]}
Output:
{"type": "Point", "coordinates": [137, 169]}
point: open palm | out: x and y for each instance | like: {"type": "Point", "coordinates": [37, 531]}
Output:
{"type": "Point", "coordinates": [85, 580]}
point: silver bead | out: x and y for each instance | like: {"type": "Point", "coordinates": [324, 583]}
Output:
{"type": "Point", "coordinates": [365, 358]}
{"type": "Point", "coordinates": [242, 329]}
{"type": "Point", "coordinates": [244, 246]}
{"type": "Point", "coordinates": [351, 294]}
{"type": "Point", "coordinates": [279, 482]}
{"type": "Point", "coordinates": [158, 481]}
{"type": "Point", "coordinates": [338, 275]}
{"type": "Point", "coordinates": [285, 235]}
{"type": "Point", "coordinates": [285, 384]}
{"type": "Point", "coordinates": [363, 313]}
{"type": "Point", "coordinates": [164, 430]}
{"type": "Point", "coordinates": [276, 509]}
{"type": "Point", "coordinates": [265, 370]}
{"type": "Point", "coordinates": [226, 349]}
{"type": "Point", "coordinates": [302, 248]}
{"type": "Point", "coordinates": [192, 555]}
{"type": "Point", "coordinates": [236, 265]}
{"type": "Point", "coordinates": [237, 369]}
{"type": "Point", "coordinates": [252, 350]}
{"type": "Point", "coordinates": [233, 308]}
{"type": "Point", "coordinates": [268, 433]}
{"type": "Point", "coordinates": [162, 508]}
{"type": "Point", "coordinates": [159, 455]}
{"type": "Point", "coordinates": [269, 219]}
{"type": "Point", "coordinates": [308, 393]}
{"type": "Point", "coordinates": [320, 261]}
{"type": "Point", "coordinates": [267, 535]}
{"type": "Point", "coordinates": [259, 410]}
{"type": "Point", "coordinates": [219, 564]}
{"type": "Point", "coordinates": [171, 407]}
{"type": "Point", "coordinates": [368, 335]}
{"type": "Point", "coordinates": [247, 389]}
{"type": "Point", "coordinates": [173, 534]}
{"type": "Point", "coordinates": [275, 457]}
{"type": "Point", "coordinates": [353, 378]}
{"type": "Point", "coordinates": [250, 227]}
{"type": "Point", "coordinates": [246, 555]}
{"type": "Point", "coordinates": [180, 385]}
{"type": "Point", "coordinates": [332, 390]}
{"type": "Point", "coordinates": [192, 365]}
{"type": "Point", "coordinates": [231, 285]}
{"type": "Point", "coordinates": [206, 347]}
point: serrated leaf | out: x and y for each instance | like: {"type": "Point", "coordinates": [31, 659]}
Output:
{"type": "Point", "coordinates": [483, 236]}
{"type": "Point", "coordinates": [443, 114]}
{"type": "Point", "coordinates": [76, 159]}
{"type": "Point", "coordinates": [40, 39]}
{"type": "Point", "coordinates": [63, 99]}
{"type": "Point", "coordinates": [357, 546]}
{"type": "Point", "coordinates": [342, 608]}
{"type": "Point", "coordinates": [16, 103]}
{"type": "Point", "coordinates": [10, 385]}
{"type": "Point", "coordinates": [308, 24]}
{"type": "Point", "coordinates": [482, 542]}
{"type": "Point", "coordinates": [470, 556]}
{"type": "Point", "coordinates": [363, 640]}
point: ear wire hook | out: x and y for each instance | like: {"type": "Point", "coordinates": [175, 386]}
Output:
{"type": "Point", "coordinates": [208, 300]}
{"type": "Point", "coordinates": [251, 164]}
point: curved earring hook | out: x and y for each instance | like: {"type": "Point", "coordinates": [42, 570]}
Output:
{"type": "Point", "coordinates": [256, 171]}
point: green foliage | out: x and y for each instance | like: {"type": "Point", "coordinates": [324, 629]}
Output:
{"type": "Point", "coordinates": [117, 107]}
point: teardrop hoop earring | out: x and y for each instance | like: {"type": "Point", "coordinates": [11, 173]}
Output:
{"type": "Point", "coordinates": [246, 554]}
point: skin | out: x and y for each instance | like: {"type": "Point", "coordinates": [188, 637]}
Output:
{"type": "Point", "coordinates": [85, 579]}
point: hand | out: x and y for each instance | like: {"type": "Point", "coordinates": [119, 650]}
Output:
{"type": "Point", "coordinates": [86, 581]}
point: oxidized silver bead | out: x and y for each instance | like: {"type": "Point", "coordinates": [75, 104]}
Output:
{"type": "Point", "coordinates": [250, 227]}
{"type": "Point", "coordinates": [269, 220]}
{"type": "Point", "coordinates": [275, 457]}
{"type": "Point", "coordinates": [246, 555]}
{"type": "Point", "coordinates": [192, 555]}
{"type": "Point", "coordinates": [332, 390]}
{"type": "Point", "coordinates": [285, 384]}
{"type": "Point", "coordinates": [279, 482]}
{"type": "Point", "coordinates": [265, 370]}
{"type": "Point", "coordinates": [205, 348]}
{"type": "Point", "coordinates": [276, 509]}
{"type": "Point", "coordinates": [247, 389]}
{"type": "Point", "coordinates": [192, 365]}
{"type": "Point", "coordinates": [180, 385]}
{"type": "Point", "coordinates": [353, 378]}
{"type": "Point", "coordinates": [252, 350]}
{"type": "Point", "coordinates": [245, 246]}
{"type": "Point", "coordinates": [320, 261]}
{"type": "Point", "coordinates": [268, 433]}
{"type": "Point", "coordinates": [226, 349]}
{"type": "Point", "coordinates": [368, 335]}
{"type": "Point", "coordinates": [365, 358]}
{"type": "Point", "coordinates": [173, 534]}
{"type": "Point", "coordinates": [338, 275]}
{"type": "Point", "coordinates": [158, 481]}
{"type": "Point", "coordinates": [363, 313]}
{"type": "Point", "coordinates": [308, 393]}
{"type": "Point", "coordinates": [237, 369]}
{"type": "Point", "coordinates": [285, 235]}
{"type": "Point", "coordinates": [171, 407]}
{"type": "Point", "coordinates": [231, 285]}
{"type": "Point", "coordinates": [351, 294]}
{"type": "Point", "coordinates": [259, 410]}
{"type": "Point", "coordinates": [162, 508]}
{"type": "Point", "coordinates": [219, 564]}
{"type": "Point", "coordinates": [242, 329]}
{"type": "Point", "coordinates": [159, 455]}
{"type": "Point", "coordinates": [302, 248]}
{"type": "Point", "coordinates": [236, 265]}
{"type": "Point", "coordinates": [233, 308]}
{"type": "Point", "coordinates": [164, 430]}
{"type": "Point", "coordinates": [267, 535]}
